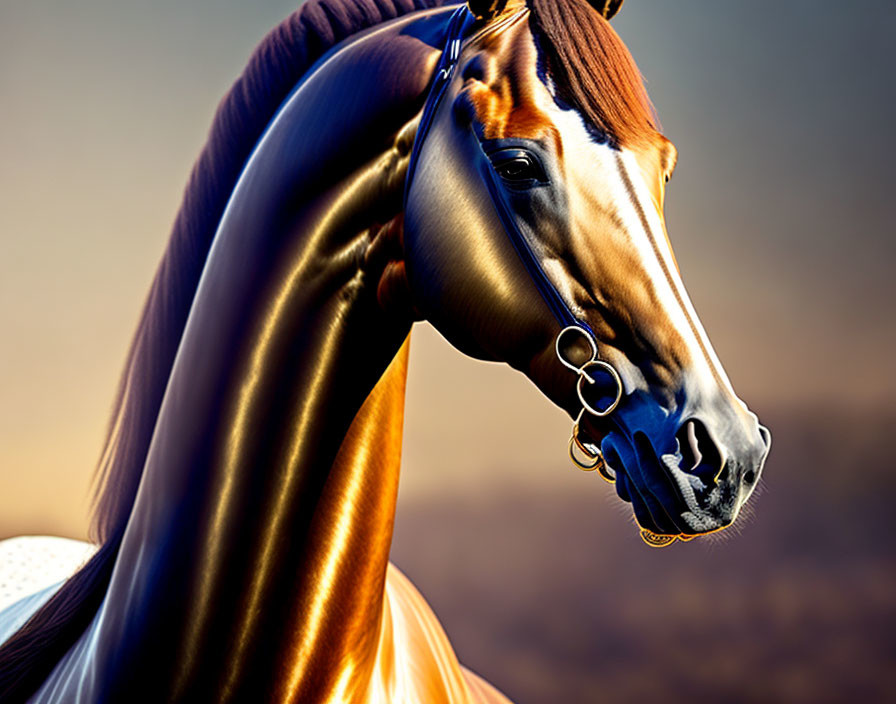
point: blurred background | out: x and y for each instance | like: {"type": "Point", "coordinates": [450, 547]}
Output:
{"type": "Point", "coordinates": [780, 214]}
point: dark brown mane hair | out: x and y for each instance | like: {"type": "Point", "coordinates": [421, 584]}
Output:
{"type": "Point", "coordinates": [592, 70]}
{"type": "Point", "coordinates": [276, 65]}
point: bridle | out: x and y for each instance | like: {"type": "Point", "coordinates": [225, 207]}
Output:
{"type": "Point", "coordinates": [572, 326]}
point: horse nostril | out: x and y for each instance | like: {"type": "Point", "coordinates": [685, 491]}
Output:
{"type": "Point", "coordinates": [749, 477]}
{"type": "Point", "coordinates": [700, 456]}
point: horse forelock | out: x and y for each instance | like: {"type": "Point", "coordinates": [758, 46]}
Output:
{"type": "Point", "coordinates": [591, 70]}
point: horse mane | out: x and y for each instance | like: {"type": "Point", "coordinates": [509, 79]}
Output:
{"type": "Point", "coordinates": [276, 65]}
{"type": "Point", "coordinates": [593, 71]}
{"type": "Point", "coordinates": [281, 59]}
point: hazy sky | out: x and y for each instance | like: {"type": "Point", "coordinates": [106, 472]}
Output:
{"type": "Point", "coordinates": [779, 213]}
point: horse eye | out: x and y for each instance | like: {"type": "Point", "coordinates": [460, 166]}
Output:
{"type": "Point", "coordinates": [517, 167]}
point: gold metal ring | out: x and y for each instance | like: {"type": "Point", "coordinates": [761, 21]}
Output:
{"type": "Point", "coordinates": [655, 540]}
{"type": "Point", "coordinates": [596, 460]}
{"type": "Point", "coordinates": [604, 472]}
{"type": "Point", "coordinates": [600, 464]}
{"type": "Point", "coordinates": [603, 469]}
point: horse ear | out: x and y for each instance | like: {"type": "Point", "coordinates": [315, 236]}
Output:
{"type": "Point", "coordinates": [607, 8]}
{"type": "Point", "coordinates": [485, 9]}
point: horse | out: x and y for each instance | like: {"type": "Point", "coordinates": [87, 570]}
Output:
{"type": "Point", "coordinates": [493, 167]}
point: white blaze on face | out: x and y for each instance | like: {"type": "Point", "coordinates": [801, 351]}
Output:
{"type": "Point", "coordinates": [618, 235]}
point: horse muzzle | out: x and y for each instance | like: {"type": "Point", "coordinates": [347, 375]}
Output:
{"type": "Point", "coordinates": [684, 478]}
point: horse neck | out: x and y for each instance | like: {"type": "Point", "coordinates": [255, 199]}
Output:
{"type": "Point", "coordinates": [252, 565]}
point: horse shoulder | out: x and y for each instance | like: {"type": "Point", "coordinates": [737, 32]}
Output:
{"type": "Point", "coordinates": [415, 660]}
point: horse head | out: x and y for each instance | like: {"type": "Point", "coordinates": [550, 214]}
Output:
{"type": "Point", "coordinates": [534, 235]}
{"type": "Point", "coordinates": [251, 468]}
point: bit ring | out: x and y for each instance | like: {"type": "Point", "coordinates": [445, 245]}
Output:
{"type": "Point", "coordinates": [596, 460]}
{"type": "Point", "coordinates": [583, 375]}
{"type": "Point", "coordinates": [581, 331]}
